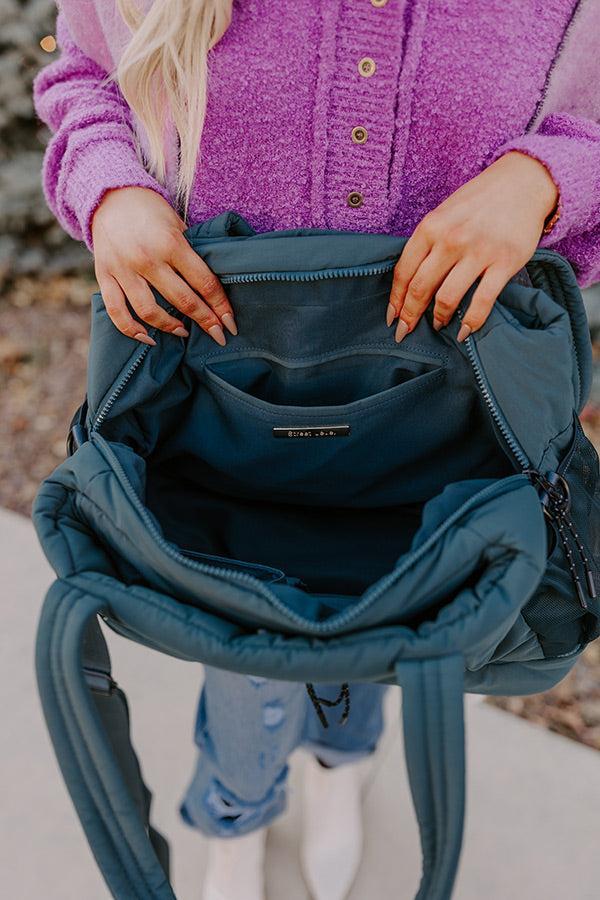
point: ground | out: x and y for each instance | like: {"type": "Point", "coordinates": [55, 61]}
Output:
{"type": "Point", "coordinates": [43, 358]}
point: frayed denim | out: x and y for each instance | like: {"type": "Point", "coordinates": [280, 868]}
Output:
{"type": "Point", "coordinates": [246, 728]}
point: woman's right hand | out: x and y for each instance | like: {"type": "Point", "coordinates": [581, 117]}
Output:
{"type": "Point", "coordinates": [137, 239]}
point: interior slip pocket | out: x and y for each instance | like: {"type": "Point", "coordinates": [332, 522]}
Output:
{"type": "Point", "coordinates": [339, 381]}
{"type": "Point", "coordinates": [335, 431]}
{"type": "Point", "coordinates": [359, 428]}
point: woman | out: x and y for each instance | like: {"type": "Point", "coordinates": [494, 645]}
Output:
{"type": "Point", "coordinates": [463, 125]}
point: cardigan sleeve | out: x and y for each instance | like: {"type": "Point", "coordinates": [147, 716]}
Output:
{"type": "Point", "coordinates": [569, 147]}
{"type": "Point", "coordinates": [92, 147]}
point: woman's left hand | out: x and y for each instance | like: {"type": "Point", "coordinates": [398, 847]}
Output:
{"type": "Point", "coordinates": [488, 228]}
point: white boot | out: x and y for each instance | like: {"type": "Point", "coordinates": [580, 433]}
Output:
{"type": "Point", "coordinates": [236, 867]}
{"type": "Point", "coordinates": [332, 834]}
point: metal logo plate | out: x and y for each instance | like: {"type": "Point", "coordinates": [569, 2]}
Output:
{"type": "Point", "coordinates": [310, 431]}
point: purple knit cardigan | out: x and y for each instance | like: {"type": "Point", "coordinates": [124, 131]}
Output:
{"type": "Point", "coordinates": [455, 84]}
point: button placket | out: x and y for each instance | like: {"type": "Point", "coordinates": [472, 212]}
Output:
{"type": "Point", "coordinates": [359, 179]}
{"type": "Point", "coordinates": [366, 67]}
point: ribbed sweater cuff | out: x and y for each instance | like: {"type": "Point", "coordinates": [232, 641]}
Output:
{"type": "Point", "coordinates": [97, 167]}
{"type": "Point", "coordinates": [571, 164]}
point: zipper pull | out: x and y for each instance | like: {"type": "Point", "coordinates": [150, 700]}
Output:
{"type": "Point", "coordinates": [560, 484]}
{"type": "Point", "coordinates": [589, 575]}
{"type": "Point", "coordinates": [319, 702]}
{"type": "Point", "coordinates": [555, 497]}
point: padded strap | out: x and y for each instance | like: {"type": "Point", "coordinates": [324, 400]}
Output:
{"type": "Point", "coordinates": [111, 703]}
{"type": "Point", "coordinates": [88, 720]}
{"type": "Point", "coordinates": [434, 742]}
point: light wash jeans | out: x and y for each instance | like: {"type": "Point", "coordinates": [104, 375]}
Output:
{"type": "Point", "coordinates": [246, 728]}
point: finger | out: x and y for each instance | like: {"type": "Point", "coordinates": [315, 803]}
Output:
{"type": "Point", "coordinates": [456, 284]}
{"type": "Point", "coordinates": [204, 281]}
{"type": "Point", "coordinates": [181, 295]}
{"type": "Point", "coordinates": [415, 250]}
{"type": "Point", "coordinates": [421, 288]}
{"type": "Point", "coordinates": [137, 290]}
{"type": "Point", "coordinates": [482, 302]}
{"type": "Point", "coordinates": [116, 307]}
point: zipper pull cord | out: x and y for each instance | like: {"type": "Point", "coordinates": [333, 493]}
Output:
{"type": "Point", "coordinates": [562, 497]}
{"type": "Point", "coordinates": [589, 575]}
{"type": "Point", "coordinates": [319, 702]}
{"type": "Point", "coordinates": [563, 536]}
{"type": "Point", "coordinates": [556, 501]}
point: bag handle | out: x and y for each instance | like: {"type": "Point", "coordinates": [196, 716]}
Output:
{"type": "Point", "coordinates": [434, 745]}
{"type": "Point", "coordinates": [88, 720]}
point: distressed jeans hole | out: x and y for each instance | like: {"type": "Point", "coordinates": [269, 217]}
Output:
{"type": "Point", "coordinates": [273, 715]}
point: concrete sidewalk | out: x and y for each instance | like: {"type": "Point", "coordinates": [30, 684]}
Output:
{"type": "Point", "coordinates": [533, 804]}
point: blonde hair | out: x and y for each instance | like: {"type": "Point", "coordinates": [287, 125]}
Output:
{"type": "Point", "coordinates": [163, 72]}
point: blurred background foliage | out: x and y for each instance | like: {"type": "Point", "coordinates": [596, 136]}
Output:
{"type": "Point", "coordinates": [46, 278]}
{"type": "Point", "coordinates": [31, 240]}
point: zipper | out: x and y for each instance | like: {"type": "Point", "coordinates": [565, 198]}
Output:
{"type": "Point", "coordinates": [247, 278]}
{"type": "Point", "coordinates": [552, 488]}
{"type": "Point", "coordinates": [123, 382]}
{"type": "Point", "coordinates": [549, 487]}
{"type": "Point", "coordinates": [555, 498]}
{"type": "Point", "coordinates": [119, 388]}
{"type": "Point", "coordinates": [315, 275]}
{"type": "Point", "coordinates": [496, 413]}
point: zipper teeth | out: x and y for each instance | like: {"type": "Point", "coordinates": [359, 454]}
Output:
{"type": "Point", "coordinates": [119, 389]}
{"type": "Point", "coordinates": [246, 278]}
{"type": "Point", "coordinates": [316, 628]}
{"type": "Point", "coordinates": [373, 593]}
{"type": "Point", "coordinates": [126, 377]}
{"type": "Point", "coordinates": [491, 404]}
{"type": "Point", "coordinates": [345, 272]}
{"type": "Point", "coordinates": [170, 550]}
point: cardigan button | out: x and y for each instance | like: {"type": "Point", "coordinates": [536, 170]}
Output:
{"type": "Point", "coordinates": [366, 66]}
{"type": "Point", "coordinates": [378, 2]}
{"type": "Point", "coordinates": [354, 199]}
{"type": "Point", "coordinates": [359, 134]}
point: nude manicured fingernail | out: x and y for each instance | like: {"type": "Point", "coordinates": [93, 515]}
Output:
{"type": "Point", "coordinates": [145, 339]}
{"type": "Point", "coordinates": [463, 332]}
{"type": "Point", "coordinates": [401, 331]}
{"type": "Point", "coordinates": [217, 334]}
{"type": "Point", "coordinates": [437, 324]}
{"type": "Point", "coordinates": [389, 315]}
{"type": "Point", "coordinates": [180, 332]}
{"type": "Point", "coordinates": [229, 323]}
